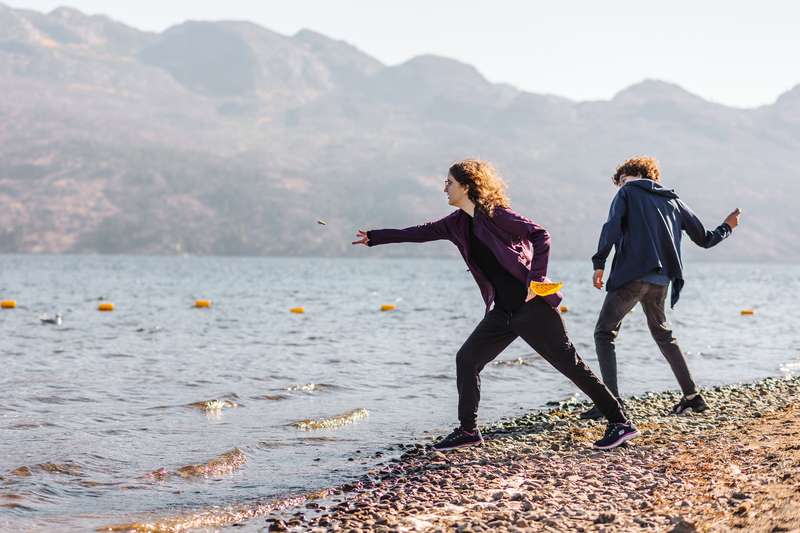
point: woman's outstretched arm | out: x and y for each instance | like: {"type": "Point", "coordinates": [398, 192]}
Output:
{"type": "Point", "coordinates": [432, 231]}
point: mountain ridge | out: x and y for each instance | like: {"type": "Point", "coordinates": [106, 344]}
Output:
{"type": "Point", "coordinates": [229, 138]}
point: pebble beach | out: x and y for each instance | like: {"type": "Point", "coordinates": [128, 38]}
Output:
{"type": "Point", "coordinates": [734, 467]}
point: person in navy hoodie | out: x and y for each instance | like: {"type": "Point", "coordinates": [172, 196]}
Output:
{"type": "Point", "coordinates": [504, 251]}
{"type": "Point", "coordinates": [644, 226]}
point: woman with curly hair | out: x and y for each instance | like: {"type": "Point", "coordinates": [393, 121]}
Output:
{"type": "Point", "coordinates": [505, 252]}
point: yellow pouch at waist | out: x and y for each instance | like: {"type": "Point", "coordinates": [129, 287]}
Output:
{"type": "Point", "coordinates": [545, 288]}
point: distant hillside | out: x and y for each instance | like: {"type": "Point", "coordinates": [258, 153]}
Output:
{"type": "Point", "coordinates": [228, 138]}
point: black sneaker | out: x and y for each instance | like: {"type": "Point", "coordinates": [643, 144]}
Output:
{"type": "Point", "coordinates": [459, 438]}
{"type": "Point", "coordinates": [592, 414]}
{"type": "Point", "coordinates": [695, 405]}
{"type": "Point", "coordinates": [616, 434]}
{"type": "Point", "coordinates": [596, 414]}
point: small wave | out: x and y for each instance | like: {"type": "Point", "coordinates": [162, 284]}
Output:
{"type": "Point", "coordinates": [67, 469]}
{"type": "Point", "coordinates": [54, 400]}
{"type": "Point", "coordinates": [321, 439]}
{"type": "Point", "coordinates": [570, 400]}
{"type": "Point", "coordinates": [22, 471]}
{"type": "Point", "coordinates": [332, 422]}
{"type": "Point", "coordinates": [791, 369]}
{"type": "Point", "coordinates": [14, 505]}
{"type": "Point", "coordinates": [310, 387]}
{"type": "Point", "coordinates": [156, 329]}
{"type": "Point", "coordinates": [271, 397]}
{"type": "Point", "coordinates": [214, 405]}
{"type": "Point", "coordinates": [216, 517]}
{"type": "Point", "coordinates": [519, 361]}
{"type": "Point", "coordinates": [271, 445]}
{"type": "Point", "coordinates": [438, 376]}
{"type": "Point", "coordinates": [31, 425]}
{"type": "Point", "coordinates": [120, 356]}
{"type": "Point", "coordinates": [264, 445]}
{"type": "Point", "coordinates": [220, 465]}
{"type": "Point", "coordinates": [60, 400]}
{"type": "Point", "coordinates": [92, 484]}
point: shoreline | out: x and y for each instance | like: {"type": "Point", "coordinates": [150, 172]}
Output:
{"type": "Point", "coordinates": [737, 466]}
{"type": "Point", "coordinates": [734, 467]}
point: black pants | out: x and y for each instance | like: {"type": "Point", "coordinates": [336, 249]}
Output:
{"type": "Point", "coordinates": [617, 304]}
{"type": "Point", "coordinates": [542, 328]}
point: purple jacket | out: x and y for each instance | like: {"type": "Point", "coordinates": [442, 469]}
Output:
{"type": "Point", "coordinates": [520, 246]}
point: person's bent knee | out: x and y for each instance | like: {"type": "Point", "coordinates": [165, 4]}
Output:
{"type": "Point", "coordinates": [466, 360]}
{"type": "Point", "coordinates": [663, 336]}
{"type": "Point", "coordinates": [604, 335]}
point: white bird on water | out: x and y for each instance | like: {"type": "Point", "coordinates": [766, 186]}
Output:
{"type": "Point", "coordinates": [56, 319]}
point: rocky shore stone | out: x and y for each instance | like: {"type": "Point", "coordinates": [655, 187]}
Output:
{"type": "Point", "coordinates": [537, 472]}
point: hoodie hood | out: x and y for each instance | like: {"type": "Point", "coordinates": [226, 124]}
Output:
{"type": "Point", "coordinates": [652, 187]}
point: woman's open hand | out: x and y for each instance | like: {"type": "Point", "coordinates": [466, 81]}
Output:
{"type": "Point", "coordinates": [362, 238]}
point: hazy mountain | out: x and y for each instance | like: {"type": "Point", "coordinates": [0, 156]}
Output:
{"type": "Point", "coordinates": [228, 138]}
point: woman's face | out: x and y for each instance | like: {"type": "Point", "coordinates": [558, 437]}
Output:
{"type": "Point", "coordinates": [456, 193]}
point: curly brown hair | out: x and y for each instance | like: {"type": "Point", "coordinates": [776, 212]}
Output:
{"type": "Point", "coordinates": [485, 187]}
{"type": "Point", "coordinates": [642, 166]}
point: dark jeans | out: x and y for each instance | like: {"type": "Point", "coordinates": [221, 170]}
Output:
{"type": "Point", "coordinates": [542, 328]}
{"type": "Point", "coordinates": [617, 304]}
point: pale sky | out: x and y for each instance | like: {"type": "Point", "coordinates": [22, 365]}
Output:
{"type": "Point", "coordinates": [736, 52]}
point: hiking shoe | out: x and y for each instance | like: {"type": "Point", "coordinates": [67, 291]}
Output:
{"type": "Point", "coordinates": [695, 405]}
{"type": "Point", "coordinates": [616, 434]}
{"type": "Point", "coordinates": [596, 414]}
{"type": "Point", "coordinates": [459, 438]}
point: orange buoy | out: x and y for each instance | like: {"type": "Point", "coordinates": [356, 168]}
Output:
{"type": "Point", "coordinates": [747, 312]}
{"type": "Point", "coordinates": [105, 307]}
{"type": "Point", "coordinates": [202, 304]}
{"type": "Point", "coordinates": [564, 309]}
{"type": "Point", "coordinates": [297, 310]}
{"type": "Point", "coordinates": [8, 304]}
{"type": "Point", "coordinates": [388, 307]}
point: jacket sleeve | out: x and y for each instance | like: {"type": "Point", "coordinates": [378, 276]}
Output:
{"type": "Point", "coordinates": [612, 230]}
{"type": "Point", "coordinates": [523, 228]}
{"type": "Point", "coordinates": [691, 224]}
{"type": "Point", "coordinates": [431, 231]}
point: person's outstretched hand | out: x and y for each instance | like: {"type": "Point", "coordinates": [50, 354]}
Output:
{"type": "Point", "coordinates": [597, 279]}
{"type": "Point", "coordinates": [733, 219]}
{"type": "Point", "coordinates": [362, 237]}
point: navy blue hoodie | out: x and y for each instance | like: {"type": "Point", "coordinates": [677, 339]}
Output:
{"type": "Point", "coordinates": [644, 225]}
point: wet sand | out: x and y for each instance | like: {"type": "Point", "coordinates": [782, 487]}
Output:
{"type": "Point", "coordinates": [736, 467]}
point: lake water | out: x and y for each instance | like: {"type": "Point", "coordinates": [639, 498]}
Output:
{"type": "Point", "coordinates": [91, 407]}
